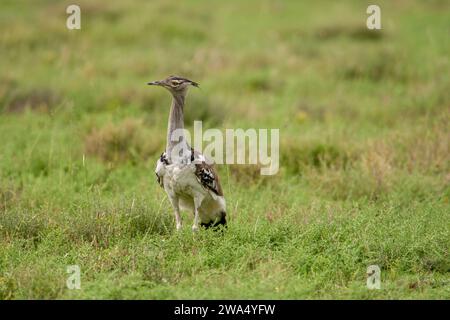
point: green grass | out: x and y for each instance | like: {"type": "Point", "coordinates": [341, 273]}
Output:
{"type": "Point", "coordinates": [365, 159]}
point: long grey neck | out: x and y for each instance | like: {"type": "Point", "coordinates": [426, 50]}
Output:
{"type": "Point", "coordinates": [175, 133]}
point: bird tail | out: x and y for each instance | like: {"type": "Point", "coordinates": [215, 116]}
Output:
{"type": "Point", "coordinates": [217, 223]}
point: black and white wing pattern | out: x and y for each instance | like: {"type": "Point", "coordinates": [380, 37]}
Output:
{"type": "Point", "coordinates": [163, 161]}
{"type": "Point", "coordinates": [163, 158]}
{"type": "Point", "coordinates": [206, 173]}
{"type": "Point", "coordinates": [207, 176]}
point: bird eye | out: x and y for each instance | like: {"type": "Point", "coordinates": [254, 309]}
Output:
{"type": "Point", "coordinates": [175, 82]}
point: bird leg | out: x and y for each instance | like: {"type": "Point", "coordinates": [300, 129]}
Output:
{"type": "Point", "coordinates": [176, 208]}
{"type": "Point", "coordinates": [196, 220]}
{"type": "Point", "coordinates": [195, 226]}
{"type": "Point", "coordinates": [178, 218]}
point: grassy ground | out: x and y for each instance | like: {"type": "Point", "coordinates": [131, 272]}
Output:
{"type": "Point", "coordinates": [364, 129]}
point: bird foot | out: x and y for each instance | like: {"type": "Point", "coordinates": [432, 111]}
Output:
{"type": "Point", "coordinates": [194, 228]}
{"type": "Point", "coordinates": [179, 226]}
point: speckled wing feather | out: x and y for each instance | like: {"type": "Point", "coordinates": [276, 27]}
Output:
{"type": "Point", "coordinates": [207, 176]}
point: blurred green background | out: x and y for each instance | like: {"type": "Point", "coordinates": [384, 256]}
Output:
{"type": "Point", "coordinates": [364, 129]}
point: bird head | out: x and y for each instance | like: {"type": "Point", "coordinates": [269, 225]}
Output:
{"type": "Point", "coordinates": [176, 85]}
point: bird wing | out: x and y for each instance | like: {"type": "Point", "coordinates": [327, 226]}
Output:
{"type": "Point", "coordinates": [159, 180]}
{"type": "Point", "coordinates": [206, 174]}
{"type": "Point", "coordinates": [162, 161]}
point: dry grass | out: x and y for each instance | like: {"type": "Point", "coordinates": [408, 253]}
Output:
{"type": "Point", "coordinates": [40, 100]}
{"type": "Point", "coordinates": [129, 140]}
{"type": "Point", "coordinates": [364, 171]}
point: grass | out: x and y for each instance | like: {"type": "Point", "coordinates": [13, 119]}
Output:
{"type": "Point", "coordinates": [364, 173]}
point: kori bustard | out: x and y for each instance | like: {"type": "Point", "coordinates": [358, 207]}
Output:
{"type": "Point", "coordinates": [189, 179]}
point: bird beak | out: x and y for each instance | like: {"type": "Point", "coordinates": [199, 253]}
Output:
{"type": "Point", "coordinates": [154, 83]}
